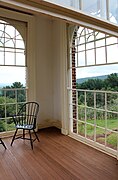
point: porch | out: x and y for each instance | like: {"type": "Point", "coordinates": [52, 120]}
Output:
{"type": "Point", "coordinates": [55, 157]}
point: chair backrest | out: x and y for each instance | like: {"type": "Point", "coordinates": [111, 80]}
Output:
{"type": "Point", "coordinates": [28, 113]}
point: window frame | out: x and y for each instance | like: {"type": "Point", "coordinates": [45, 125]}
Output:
{"type": "Point", "coordinates": [30, 45]}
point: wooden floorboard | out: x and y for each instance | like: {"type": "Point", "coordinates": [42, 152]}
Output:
{"type": "Point", "coordinates": [55, 157]}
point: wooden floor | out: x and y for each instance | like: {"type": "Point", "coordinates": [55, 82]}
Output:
{"type": "Point", "coordinates": [55, 157]}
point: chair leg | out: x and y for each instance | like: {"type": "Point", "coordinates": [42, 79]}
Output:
{"type": "Point", "coordinates": [36, 135]}
{"type": "Point", "coordinates": [14, 137]}
{"type": "Point", "coordinates": [3, 143]}
{"type": "Point", "coordinates": [31, 140]}
{"type": "Point", "coordinates": [23, 133]}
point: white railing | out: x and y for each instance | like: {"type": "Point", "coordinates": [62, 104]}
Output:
{"type": "Point", "coordinates": [96, 117]}
{"type": "Point", "coordinates": [10, 101]}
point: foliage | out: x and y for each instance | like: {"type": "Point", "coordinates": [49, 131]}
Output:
{"type": "Point", "coordinates": [92, 84]}
{"type": "Point", "coordinates": [21, 97]}
{"type": "Point", "coordinates": [110, 83]}
{"type": "Point", "coordinates": [8, 104]}
{"type": "Point", "coordinates": [112, 140]}
{"type": "Point", "coordinates": [2, 126]}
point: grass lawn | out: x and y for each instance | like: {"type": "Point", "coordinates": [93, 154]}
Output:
{"type": "Point", "coordinates": [112, 124]}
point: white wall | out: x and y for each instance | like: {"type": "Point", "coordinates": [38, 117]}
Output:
{"type": "Point", "coordinates": [44, 63]}
{"type": "Point", "coordinates": [50, 47]}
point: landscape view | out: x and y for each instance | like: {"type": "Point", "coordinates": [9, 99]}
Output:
{"type": "Point", "coordinates": [11, 98]}
{"type": "Point", "coordinates": [101, 108]}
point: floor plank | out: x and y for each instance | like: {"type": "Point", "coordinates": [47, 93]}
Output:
{"type": "Point", "coordinates": [55, 157]}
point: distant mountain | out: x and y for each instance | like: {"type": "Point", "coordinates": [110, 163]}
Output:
{"type": "Point", "coordinates": [4, 85]}
{"type": "Point", "coordinates": [79, 81]}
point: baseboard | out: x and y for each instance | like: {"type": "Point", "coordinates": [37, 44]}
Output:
{"type": "Point", "coordinates": [49, 123]}
{"type": "Point", "coordinates": [64, 131]}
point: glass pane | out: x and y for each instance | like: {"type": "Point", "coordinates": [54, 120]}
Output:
{"type": "Point", "coordinates": [18, 36]}
{"type": "Point", "coordinates": [90, 45]}
{"type": "Point", "coordinates": [112, 121]}
{"type": "Point", "coordinates": [10, 96]}
{"type": "Point", "coordinates": [2, 125]}
{"type": "Point", "coordinates": [103, 9]}
{"type": "Point", "coordinates": [100, 100]}
{"type": "Point", "coordinates": [99, 35]}
{"type": "Point", "coordinates": [90, 97]}
{"type": "Point", "coordinates": [81, 98]}
{"type": "Point", "coordinates": [10, 110]}
{"type": "Point", "coordinates": [20, 59]}
{"type": "Point", "coordinates": [113, 13]}
{"type": "Point", "coordinates": [112, 101]}
{"type": "Point", "coordinates": [81, 39]}
{"type": "Point", "coordinates": [81, 48]}
{"type": "Point", "coordinates": [81, 129]}
{"type": "Point", "coordinates": [100, 55]}
{"type": "Point", "coordinates": [2, 29]}
{"type": "Point", "coordinates": [21, 95]}
{"type": "Point", "coordinates": [112, 140]}
{"type": "Point", "coordinates": [100, 135]}
{"type": "Point", "coordinates": [9, 58]}
{"type": "Point", "coordinates": [90, 7]}
{"type": "Point", "coordinates": [90, 57]}
{"type": "Point", "coordinates": [10, 124]}
{"type": "Point", "coordinates": [112, 57]}
{"type": "Point", "coordinates": [81, 58]}
{"type": "Point", "coordinates": [2, 110]}
{"type": "Point", "coordinates": [100, 118]}
{"type": "Point", "coordinates": [1, 96]}
{"type": "Point", "coordinates": [81, 113]}
{"type": "Point", "coordinates": [100, 43]}
{"type": "Point", "coordinates": [90, 132]}
{"type": "Point", "coordinates": [111, 40]}
{"type": "Point", "coordinates": [9, 43]}
{"type": "Point", "coordinates": [90, 115]}
{"type": "Point", "coordinates": [20, 44]}
{"type": "Point", "coordinates": [9, 31]}
{"type": "Point", "coordinates": [1, 56]}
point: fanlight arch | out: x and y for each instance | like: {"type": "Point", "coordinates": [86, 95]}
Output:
{"type": "Point", "coordinates": [12, 45]}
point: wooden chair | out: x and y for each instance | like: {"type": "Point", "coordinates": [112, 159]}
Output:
{"type": "Point", "coordinates": [26, 120]}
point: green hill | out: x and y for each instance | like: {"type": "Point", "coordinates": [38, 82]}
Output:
{"type": "Point", "coordinates": [79, 81]}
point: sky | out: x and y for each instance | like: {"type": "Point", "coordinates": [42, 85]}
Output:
{"type": "Point", "coordinates": [96, 71]}
{"type": "Point", "coordinates": [9, 75]}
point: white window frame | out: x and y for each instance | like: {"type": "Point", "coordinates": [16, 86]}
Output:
{"type": "Point", "coordinates": [71, 134]}
{"type": "Point", "coordinates": [30, 46]}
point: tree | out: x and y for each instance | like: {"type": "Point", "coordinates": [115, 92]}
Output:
{"type": "Point", "coordinates": [92, 84]}
{"type": "Point", "coordinates": [21, 95]}
{"type": "Point", "coordinates": [10, 110]}
{"type": "Point", "coordinates": [17, 85]}
{"type": "Point", "coordinates": [111, 82]}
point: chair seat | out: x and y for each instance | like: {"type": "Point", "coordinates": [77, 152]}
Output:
{"type": "Point", "coordinates": [25, 126]}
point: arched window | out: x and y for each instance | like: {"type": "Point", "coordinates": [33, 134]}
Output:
{"type": "Point", "coordinates": [12, 47]}
{"type": "Point", "coordinates": [12, 70]}
{"type": "Point", "coordinates": [94, 99]}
